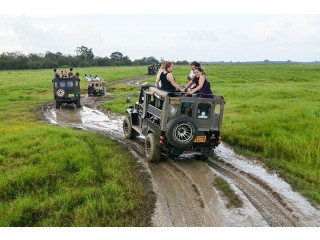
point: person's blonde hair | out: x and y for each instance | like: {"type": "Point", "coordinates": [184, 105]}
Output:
{"type": "Point", "coordinates": [162, 65]}
{"type": "Point", "coordinates": [166, 65]}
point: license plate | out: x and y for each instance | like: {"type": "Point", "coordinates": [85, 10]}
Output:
{"type": "Point", "coordinates": [200, 139]}
{"type": "Point", "coordinates": [71, 95]}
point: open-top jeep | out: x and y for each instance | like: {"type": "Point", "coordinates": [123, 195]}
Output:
{"type": "Point", "coordinates": [174, 123]}
{"type": "Point", "coordinates": [96, 88]}
{"type": "Point", "coordinates": [153, 69]}
{"type": "Point", "coordinates": [66, 90]}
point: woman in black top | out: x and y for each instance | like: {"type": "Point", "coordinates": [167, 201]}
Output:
{"type": "Point", "coordinates": [167, 80]}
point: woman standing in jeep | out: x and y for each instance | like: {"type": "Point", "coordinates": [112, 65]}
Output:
{"type": "Point", "coordinates": [203, 88]}
{"type": "Point", "coordinates": [167, 80]}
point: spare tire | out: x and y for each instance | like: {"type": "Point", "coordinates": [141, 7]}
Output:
{"type": "Point", "coordinates": [60, 92]}
{"type": "Point", "coordinates": [181, 131]}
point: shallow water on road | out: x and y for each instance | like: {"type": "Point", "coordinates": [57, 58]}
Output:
{"type": "Point", "coordinates": [308, 215]}
{"type": "Point", "coordinates": [86, 118]}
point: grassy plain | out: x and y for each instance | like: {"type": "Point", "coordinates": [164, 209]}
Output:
{"type": "Point", "coordinates": [272, 112]}
{"type": "Point", "coordinates": [57, 176]}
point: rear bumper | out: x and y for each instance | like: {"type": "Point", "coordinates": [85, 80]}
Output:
{"type": "Point", "coordinates": [67, 99]}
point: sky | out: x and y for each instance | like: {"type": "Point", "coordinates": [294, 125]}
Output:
{"type": "Point", "coordinates": [227, 36]}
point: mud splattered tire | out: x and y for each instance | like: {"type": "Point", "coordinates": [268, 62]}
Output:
{"type": "Point", "coordinates": [58, 104]}
{"type": "Point", "coordinates": [201, 157]}
{"type": "Point", "coordinates": [129, 132]}
{"type": "Point", "coordinates": [152, 151]}
{"type": "Point", "coordinates": [78, 104]}
{"type": "Point", "coordinates": [181, 131]}
{"type": "Point", "coordinates": [90, 91]}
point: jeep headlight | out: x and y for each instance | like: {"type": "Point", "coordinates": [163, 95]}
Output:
{"type": "Point", "coordinates": [173, 110]}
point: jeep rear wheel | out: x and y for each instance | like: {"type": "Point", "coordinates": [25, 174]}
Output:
{"type": "Point", "coordinates": [58, 104]}
{"type": "Point", "coordinates": [78, 103]}
{"type": "Point", "coordinates": [151, 149]}
{"type": "Point", "coordinates": [128, 131]}
{"type": "Point", "coordinates": [201, 157]}
{"type": "Point", "coordinates": [90, 91]}
{"type": "Point", "coordinates": [181, 131]}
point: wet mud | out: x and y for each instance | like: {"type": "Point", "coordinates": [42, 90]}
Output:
{"type": "Point", "coordinates": [184, 186]}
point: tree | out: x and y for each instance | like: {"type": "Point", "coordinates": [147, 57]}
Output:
{"type": "Point", "coordinates": [116, 56]}
{"type": "Point", "coordinates": [85, 53]}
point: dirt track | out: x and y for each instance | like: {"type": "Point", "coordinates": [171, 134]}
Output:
{"type": "Point", "coordinates": [185, 194]}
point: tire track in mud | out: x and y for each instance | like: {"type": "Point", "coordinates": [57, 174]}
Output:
{"type": "Point", "coordinates": [185, 204]}
{"type": "Point", "coordinates": [268, 202]}
{"type": "Point", "coordinates": [181, 201]}
{"type": "Point", "coordinates": [130, 81]}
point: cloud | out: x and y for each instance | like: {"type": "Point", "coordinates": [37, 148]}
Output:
{"type": "Point", "coordinates": [288, 28]}
{"type": "Point", "coordinates": [43, 34]}
{"type": "Point", "coordinates": [174, 37]}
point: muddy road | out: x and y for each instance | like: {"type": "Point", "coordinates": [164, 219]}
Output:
{"type": "Point", "coordinates": [184, 186]}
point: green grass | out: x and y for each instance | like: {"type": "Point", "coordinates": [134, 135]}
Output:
{"type": "Point", "coordinates": [121, 91]}
{"type": "Point", "coordinates": [223, 186]}
{"type": "Point", "coordinates": [272, 112]}
{"type": "Point", "coordinates": [57, 176]}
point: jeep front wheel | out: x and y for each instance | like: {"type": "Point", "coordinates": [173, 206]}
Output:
{"type": "Point", "coordinates": [129, 132]}
{"type": "Point", "coordinates": [181, 131]}
{"type": "Point", "coordinates": [151, 149]}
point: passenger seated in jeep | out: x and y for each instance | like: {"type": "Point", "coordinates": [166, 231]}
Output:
{"type": "Point", "coordinates": [203, 88]}
{"type": "Point", "coordinates": [77, 76]}
{"type": "Point", "coordinates": [63, 74]}
{"type": "Point", "coordinates": [167, 80]}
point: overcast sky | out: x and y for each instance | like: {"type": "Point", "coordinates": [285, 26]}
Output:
{"type": "Point", "coordinates": [209, 37]}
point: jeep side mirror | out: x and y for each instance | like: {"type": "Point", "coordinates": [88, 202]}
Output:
{"type": "Point", "coordinates": [128, 100]}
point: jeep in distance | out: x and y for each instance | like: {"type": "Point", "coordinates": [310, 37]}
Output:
{"type": "Point", "coordinates": [96, 88]}
{"type": "Point", "coordinates": [153, 69]}
{"type": "Point", "coordinates": [174, 123]}
{"type": "Point", "coordinates": [66, 90]}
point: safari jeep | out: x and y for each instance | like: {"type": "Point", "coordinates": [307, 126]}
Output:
{"type": "Point", "coordinates": [66, 90]}
{"type": "Point", "coordinates": [153, 69]}
{"type": "Point", "coordinates": [175, 123]}
{"type": "Point", "coordinates": [96, 88]}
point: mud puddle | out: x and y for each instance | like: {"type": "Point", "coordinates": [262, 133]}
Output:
{"type": "Point", "coordinates": [85, 118]}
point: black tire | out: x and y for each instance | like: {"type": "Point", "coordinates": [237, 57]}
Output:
{"type": "Point", "coordinates": [129, 132]}
{"type": "Point", "coordinates": [58, 104]}
{"type": "Point", "coordinates": [152, 151]}
{"type": "Point", "coordinates": [201, 157]}
{"type": "Point", "coordinates": [78, 103]}
{"type": "Point", "coordinates": [181, 131]}
{"type": "Point", "coordinates": [90, 91]}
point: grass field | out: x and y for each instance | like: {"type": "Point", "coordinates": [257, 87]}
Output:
{"type": "Point", "coordinates": [57, 176]}
{"type": "Point", "coordinates": [272, 112]}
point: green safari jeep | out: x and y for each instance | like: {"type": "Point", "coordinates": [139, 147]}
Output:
{"type": "Point", "coordinates": [66, 90]}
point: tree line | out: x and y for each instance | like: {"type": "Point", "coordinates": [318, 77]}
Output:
{"type": "Point", "coordinates": [84, 58]}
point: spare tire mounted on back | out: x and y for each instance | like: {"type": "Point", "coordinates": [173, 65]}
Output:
{"type": "Point", "coordinates": [181, 131]}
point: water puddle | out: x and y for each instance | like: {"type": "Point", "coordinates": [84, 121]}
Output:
{"type": "Point", "coordinates": [310, 216]}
